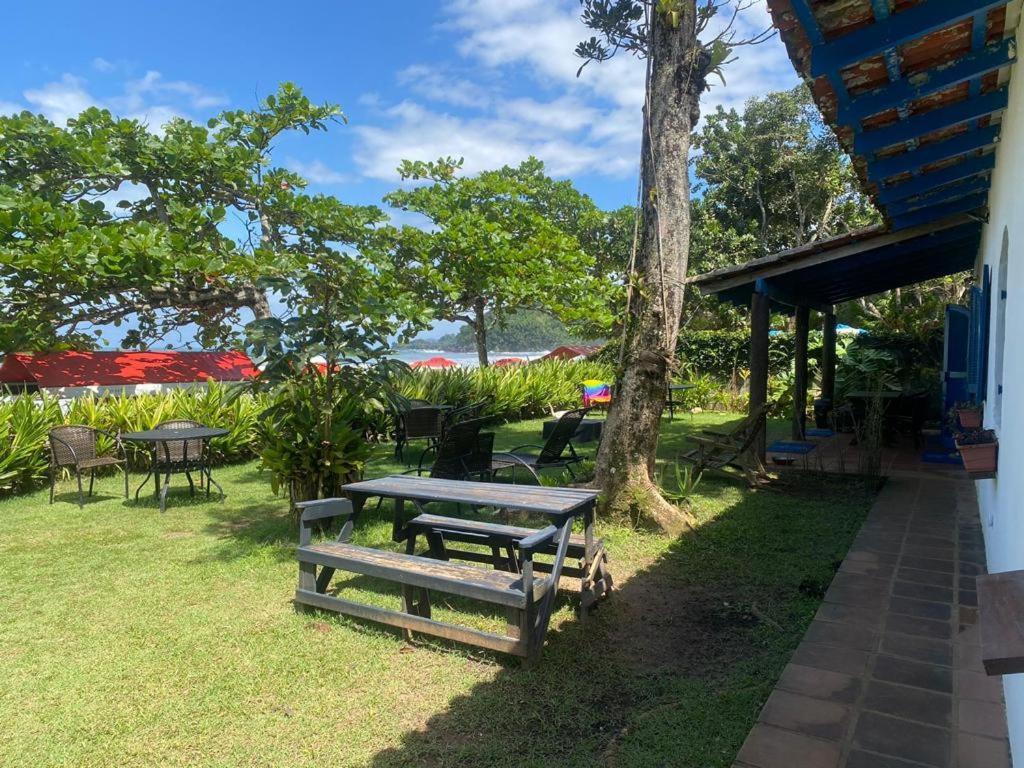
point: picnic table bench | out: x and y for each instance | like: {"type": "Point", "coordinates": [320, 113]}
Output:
{"type": "Point", "coordinates": [514, 582]}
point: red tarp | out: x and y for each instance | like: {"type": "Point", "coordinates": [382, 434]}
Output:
{"type": "Point", "coordinates": [86, 369]}
{"type": "Point", "coordinates": [434, 362]}
{"type": "Point", "coordinates": [570, 352]}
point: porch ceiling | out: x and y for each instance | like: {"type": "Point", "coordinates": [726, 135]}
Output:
{"type": "Point", "coordinates": [859, 264]}
{"type": "Point", "coordinates": [914, 89]}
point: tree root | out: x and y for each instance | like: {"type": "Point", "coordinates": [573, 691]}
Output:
{"type": "Point", "coordinates": [639, 499]}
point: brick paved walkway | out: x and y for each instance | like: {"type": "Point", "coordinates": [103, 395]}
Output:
{"type": "Point", "coordinates": [889, 673]}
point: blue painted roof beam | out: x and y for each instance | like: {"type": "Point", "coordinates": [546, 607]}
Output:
{"type": "Point", "coordinates": [910, 89]}
{"type": "Point", "coordinates": [937, 212]}
{"type": "Point", "coordinates": [911, 162]}
{"type": "Point", "coordinates": [900, 28]}
{"type": "Point", "coordinates": [920, 125]}
{"type": "Point", "coordinates": [926, 182]}
{"type": "Point", "coordinates": [943, 195]}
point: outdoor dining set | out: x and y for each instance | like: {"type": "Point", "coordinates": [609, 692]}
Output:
{"type": "Point", "coordinates": [173, 447]}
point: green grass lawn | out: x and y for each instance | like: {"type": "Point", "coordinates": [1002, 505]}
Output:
{"type": "Point", "coordinates": [132, 638]}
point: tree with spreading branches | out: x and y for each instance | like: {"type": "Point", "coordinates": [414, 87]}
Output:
{"type": "Point", "coordinates": [105, 222]}
{"type": "Point", "coordinates": [684, 42]}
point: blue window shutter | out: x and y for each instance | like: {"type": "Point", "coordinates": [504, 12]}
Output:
{"type": "Point", "coordinates": [974, 345]}
{"type": "Point", "coordinates": [983, 330]}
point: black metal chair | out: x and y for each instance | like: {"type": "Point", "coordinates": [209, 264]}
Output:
{"type": "Point", "coordinates": [181, 457]}
{"type": "Point", "coordinates": [420, 421]}
{"type": "Point", "coordinates": [552, 454]}
{"type": "Point", "coordinates": [462, 453]}
{"type": "Point", "coordinates": [75, 446]}
{"type": "Point", "coordinates": [465, 413]}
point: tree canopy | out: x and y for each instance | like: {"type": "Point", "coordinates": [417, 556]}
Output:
{"type": "Point", "coordinates": [776, 176]}
{"type": "Point", "coordinates": [501, 241]}
{"type": "Point", "coordinates": [106, 222]}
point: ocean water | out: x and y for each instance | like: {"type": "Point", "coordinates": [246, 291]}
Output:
{"type": "Point", "coordinates": [464, 359]}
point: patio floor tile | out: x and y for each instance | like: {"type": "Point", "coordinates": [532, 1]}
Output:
{"type": "Point", "coordinates": [811, 717]}
{"type": "Point", "coordinates": [889, 673]}
{"type": "Point", "coordinates": [768, 747]}
{"type": "Point", "coordinates": [903, 739]}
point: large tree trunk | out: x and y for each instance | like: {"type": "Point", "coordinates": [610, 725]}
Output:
{"type": "Point", "coordinates": [625, 462]}
{"type": "Point", "coordinates": [480, 331]}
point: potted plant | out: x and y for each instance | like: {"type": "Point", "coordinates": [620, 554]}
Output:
{"type": "Point", "coordinates": [968, 415]}
{"type": "Point", "coordinates": [979, 450]}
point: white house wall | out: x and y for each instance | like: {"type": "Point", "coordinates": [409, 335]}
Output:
{"type": "Point", "coordinates": [1002, 500]}
{"type": "Point", "coordinates": [70, 393]}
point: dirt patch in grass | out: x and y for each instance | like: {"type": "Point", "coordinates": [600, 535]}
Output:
{"type": "Point", "coordinates": [662, 625]}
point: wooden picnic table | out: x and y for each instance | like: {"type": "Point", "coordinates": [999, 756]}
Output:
{"type": "Point", "coordinates": [530, 598]}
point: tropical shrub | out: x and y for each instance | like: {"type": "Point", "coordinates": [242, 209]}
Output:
{"type": "Point", "coordinates": [512, 393]}
{"type": "Point", "coordinates": [24, 425]}
{"type": "Point", "coordinates": [313, 436]}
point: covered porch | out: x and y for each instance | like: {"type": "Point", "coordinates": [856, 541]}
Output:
{"type": "Point", "coordinates": [816, 278]}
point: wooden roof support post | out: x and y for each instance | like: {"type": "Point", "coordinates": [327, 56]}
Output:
{"type": "Point", "coordinates": [803, 317]}
{"type": "Point", "coordinates": [760, 316]}
{"type": "Point", "coordinates": [828, 357]}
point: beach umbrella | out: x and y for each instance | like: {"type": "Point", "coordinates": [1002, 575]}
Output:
{"type": "Point", "coordinates": [435, 362]}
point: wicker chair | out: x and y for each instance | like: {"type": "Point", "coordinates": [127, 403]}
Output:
{"type": "Point", "coordinates": [75, 447]}
{"type": "Point", "coordinates": [420, 421]}
{"type": "Point", "coordinates": [181, 457]}
{"type": "Point", "coordinates": [552, 454]}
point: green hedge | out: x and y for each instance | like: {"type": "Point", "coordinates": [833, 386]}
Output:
{"type": "Point", "coordinates": [723, 355]}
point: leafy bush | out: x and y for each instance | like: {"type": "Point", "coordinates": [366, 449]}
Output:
{"type": "Point", "coordinates": [313, 435]}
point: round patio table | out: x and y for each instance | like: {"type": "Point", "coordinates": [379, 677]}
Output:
{"type": "Point", "coordinates": [153, 438]}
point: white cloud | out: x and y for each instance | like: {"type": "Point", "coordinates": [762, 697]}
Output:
{"type": "Point", "coordinates": [150, 99]}
{"type": "Point", "coordinates": [10, 108]}
{"type": "Point", "coordinates": [585, 124]}
{"type": "Point", "coordinates": [437, 85]}
{"type": "Point", "coordinates": [316, 172]}
{"type": "Point", "coordinates": [60, 100]}
{"type": "Point", "coordinates": [102, 65]}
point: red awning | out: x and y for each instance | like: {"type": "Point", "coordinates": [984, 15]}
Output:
{"type": "Point", "coordinates": [86, 369]}
{"type": "Point", "coordinates": [434, 362]}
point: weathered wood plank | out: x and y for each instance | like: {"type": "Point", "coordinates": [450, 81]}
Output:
{"type": "Point", "coordinates": [499, 587]}
{"type": "Point", "coordinates": [1001, 616]}
{"type": "Point", "coordinates": [412, 622]}
{"type": "Point", "coordinates": [557, 501]}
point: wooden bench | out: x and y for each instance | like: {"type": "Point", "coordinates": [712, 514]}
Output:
{"type": "Point", "coordinates": [504, 542]}
{"type": "Point", "coordinates": [526, 598]}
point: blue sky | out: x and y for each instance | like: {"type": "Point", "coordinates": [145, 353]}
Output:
{"type": "Point", "coordinates": [492, 81]}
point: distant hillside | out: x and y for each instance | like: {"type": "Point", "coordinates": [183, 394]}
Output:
{"type": "Point", "coordinates": [527, 331]}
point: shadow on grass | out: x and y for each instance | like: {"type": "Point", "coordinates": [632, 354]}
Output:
{"type": "Point", "coordinates": [673, 668]}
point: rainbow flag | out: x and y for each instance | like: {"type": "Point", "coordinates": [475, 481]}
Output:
{"type": "Point", "coordinates": [596, 393]}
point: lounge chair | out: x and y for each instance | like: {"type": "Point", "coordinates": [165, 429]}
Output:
{"type": "Point", "coordinates": [553, 454]}
{"type": "Point", "coordinates": [736, 449]}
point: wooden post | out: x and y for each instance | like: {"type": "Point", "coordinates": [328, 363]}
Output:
{"type": "Point", "coordinates": [828, 358]}
{"type": "Point", "coordinates": [760, 316]}
{"type": "Point", "coordinates": [803, 316]}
